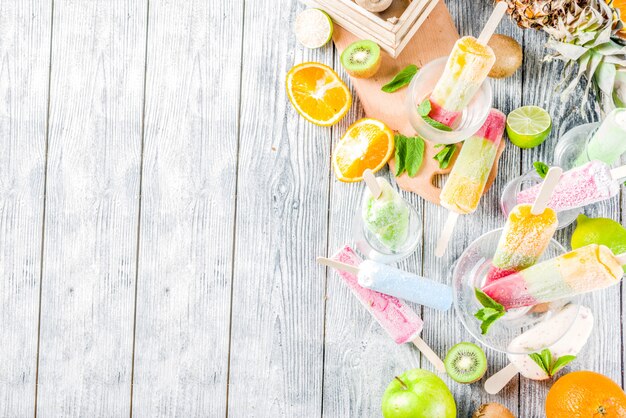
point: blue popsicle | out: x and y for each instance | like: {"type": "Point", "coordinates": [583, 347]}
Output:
{"type": "Point", "coordinates": [401, 284]}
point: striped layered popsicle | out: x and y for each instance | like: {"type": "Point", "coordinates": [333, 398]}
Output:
{"type": "Point", "coordinates": [524, 239]}
{"type": "Point", "coordinates": [467, 68]}
{"type": "Point", "coordinates": [583, 270]}
{"type": "Point", "coordinates": [467, 181]}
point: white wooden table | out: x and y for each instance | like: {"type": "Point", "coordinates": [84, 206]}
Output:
{"type": "Point", "coordinates": [162, 204]}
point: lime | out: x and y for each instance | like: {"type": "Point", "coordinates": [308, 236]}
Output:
{"type": "Point", "coordinates": [528, 126]}
{"type": "Point", "coordinates": [313, 28]}
{"type": "Point", "coordinates": [601, 231]}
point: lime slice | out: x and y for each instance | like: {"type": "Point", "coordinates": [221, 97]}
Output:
{"type": "Point", "coordinates": [313, 28]}
{"type": "Point", "coordinates": [528, 126]}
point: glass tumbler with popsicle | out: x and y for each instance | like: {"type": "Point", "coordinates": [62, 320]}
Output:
{"type": "Point", "coordinates": [578, 187]}
{"type": "Point", "coordinates": [457, 89]}
{"type": "Point", "coordinates": [386, 228]}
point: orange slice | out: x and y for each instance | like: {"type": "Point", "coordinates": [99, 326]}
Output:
{"type": "Point", "coordinates": [368, 143]}
{"type": "Point", "coordinates": [317, 93]}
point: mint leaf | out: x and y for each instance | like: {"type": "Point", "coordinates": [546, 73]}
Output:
{"type": "Point", "coordinates": [560, 363]}
{"type": "Point", "coordinates": [414, 155]}
{"type": "Point", "coordinates": [537, 358]}
{"type": "Point", "coordinates": [436, 124]}
{"type": "Point", "coordinates": [491, 312]}
{"type": "Point", "coordinates": [409, 154]}
{"type": "Point", "coordinates": [424, 108]}
{"type": "Point", "coordinates": [401, 79]}
{"type": "Point", "coordinates": [445, 155]}
{"type": "Point", "coordinates": [546, 357]}
{"type": "Point", "coordinates": [541, 168]}
{"type": "Point", "coordinates": [400, 157]}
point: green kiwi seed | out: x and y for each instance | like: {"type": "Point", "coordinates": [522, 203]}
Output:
{"type": "Point", "coordinates": [361, 59]}
{"type": "Point", "coordinates": [466, 363]}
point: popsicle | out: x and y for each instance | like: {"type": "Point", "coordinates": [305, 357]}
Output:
{"type": "Point", "coordinates": [583, 270]}
{"type": "Point", "coordinates": [385, 213]}
{"type": "Point", "coordinates": [524, 239]}
{"type": "Point", "coordinates": [397, 319]}
{"type": "Point", "coordinates": [468, 65]}
{"type": "Point", "coordinates": [466, 183]}
{"type": "Point", "coordinates": [607, 144]}
{"type": "Point", "coordinates": [574, 322]}
{"type": "Point", "coordinates": [467, 68]}
{"type": "Point", "coordinates": [592, 182]}
{"type": "Point", "coordinates": [392, 281]}
{"type": "Point", "coordinates": [527, 232]}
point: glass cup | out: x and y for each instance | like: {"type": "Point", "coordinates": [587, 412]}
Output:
{"type": "Point", "coordinates": [370, 246]}
{"type": "Point", "coordinates": [469, 272]}
{"type": "Point", "coordinates": [508, 200]}
{"type": "Point", "coordinates": [571, 150]}
{"type": "Point", "coordinates": [472, 118]}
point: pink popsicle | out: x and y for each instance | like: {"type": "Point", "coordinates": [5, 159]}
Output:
{"type": "Point", "coordinates": [580, 186]}
{"type": "Point", "coordinates": [401, 322]}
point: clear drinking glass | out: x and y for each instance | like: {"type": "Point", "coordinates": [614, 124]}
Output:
{"type": "Point", "coordinates": [370, 246]}
{"type": "Point", "coordinates": [508, 199]}
{"type": "Point", "coordinates": [571, 150]}
{"type": "Point", "coordinates": [472, 118]}
{"type": "Point", "coordinates": [469, 272]}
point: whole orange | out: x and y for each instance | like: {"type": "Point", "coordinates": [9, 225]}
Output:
{"type": "Point", "coordinates": [585, 394]}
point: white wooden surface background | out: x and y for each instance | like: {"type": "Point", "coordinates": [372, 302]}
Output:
{"type": "Point", "coordinates": [161, 207]}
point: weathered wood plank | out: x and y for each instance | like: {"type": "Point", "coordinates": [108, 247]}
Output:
{"type": "Point", "coordinates": [188, 206]}
{"type": "Point", "coordinates": [24, 64]}
{"type": "Point", "coordinates": [444, 329]}
{"type": "Point", "coordinates": [603, 351]}
{"type": "Point", "coordinates": [90, 244]}
{"type": "Point", "coordinates": [282, 211]}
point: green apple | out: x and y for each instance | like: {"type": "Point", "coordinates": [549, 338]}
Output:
{"type": "Point", "coordinates": [418, 393]}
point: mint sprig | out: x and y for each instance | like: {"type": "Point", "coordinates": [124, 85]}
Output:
{"type": "Point", "coordinates": [401, 79]}
{"type": "Point", "coordinates": [409, 154]}
{"type": "Point", "coordinates": [424, 109]}
{"type": "Point", "coordinates": [491, 312]}
{"type": "Point", "coordinates": [549, 365]}
{"type": "Point", "coordinates": [541, 168]}
{"type": "Point", "coordinates": [445, 155]}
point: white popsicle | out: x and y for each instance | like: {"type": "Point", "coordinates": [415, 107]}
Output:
{"type": "Point", "coordinates": [534, 339]}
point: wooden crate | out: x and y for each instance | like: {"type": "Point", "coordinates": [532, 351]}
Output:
{"type": "Point", "coordinates": [392, 36]}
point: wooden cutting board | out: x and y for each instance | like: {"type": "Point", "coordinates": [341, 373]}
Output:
{"type": "Point", "coordinates": [434, 39]}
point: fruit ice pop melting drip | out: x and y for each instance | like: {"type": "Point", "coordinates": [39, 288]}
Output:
{"type": "Point", "coordinates": [583, 270]}
{"type": "Point", "coordinates": [386, 216]}
{"type": "Point", "coordinates": [524, 239]}
{"type": "Point", "coordinates": [467, 68]}
{"type": "Point", "coordinates": [574, 322]}
{"type": "Point", "coordinates": [578, 187]}
{"type": "Point", "coordinates": [398, 320]}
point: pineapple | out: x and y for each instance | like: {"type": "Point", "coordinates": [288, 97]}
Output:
{"type": "Point", "coordinates": [585, 35]}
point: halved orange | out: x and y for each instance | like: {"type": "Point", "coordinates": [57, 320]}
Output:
{"type": "Point", "coordinates": [368, 143]}
{"type": "Point", "coordinates": [317, 93]}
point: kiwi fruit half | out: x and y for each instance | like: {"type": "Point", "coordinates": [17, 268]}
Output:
{"type": "Point", "coordinates": [466, 363]}
{"type": "Point", "coordinates": [361, 59]}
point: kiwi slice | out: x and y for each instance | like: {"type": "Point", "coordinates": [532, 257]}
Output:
{"type": "Point", "coordinates": [466, 363]}
{"type": "Point", "coordinates": [361, 59]}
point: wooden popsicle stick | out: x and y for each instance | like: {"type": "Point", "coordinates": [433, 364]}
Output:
{"type": "Point", "coordinates": [338, 265]}
{"type": "Point", "coordinates": [492, 23]}
{"type": "Point", "coordinates": [621, 258]}
{"type": "Point", "coordinates": [444, 238]}
{"type": "Point", "coordinates": [618, 173]}
{"type": "Point", "coordinates": [547, 188]}
{"type": "Point", "coordinates": [372, 183]}
{"type": "Point", "coordinates": [499, 380]}
{"type": "Point", "coordinates": [429, 354]}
